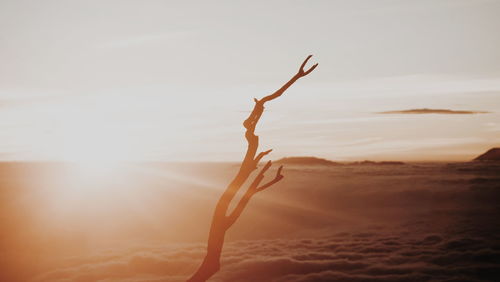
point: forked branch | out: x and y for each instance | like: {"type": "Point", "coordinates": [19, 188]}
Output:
{"type": "Point", "coordinates": [221, 221]}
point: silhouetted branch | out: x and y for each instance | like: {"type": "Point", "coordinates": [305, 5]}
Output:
{"type": "Point", "coordinates": [220, 221]}
{"type": "Point", "coordinates": [260, 156]}
{"type": "Point", "coordinates": [276, 179]}
{"type": "Point", "coordinates": [260, 176]}
{"type": "Point", "coordinates": [299, 74]}
{"type": "Point", "coordinates": [252, 189]}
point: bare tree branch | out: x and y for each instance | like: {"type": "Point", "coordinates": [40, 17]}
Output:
{"type": "Point", "coordinates": [252, 189]}
{"type": "Point", "coordinates": [220, 221]}
{"type": "Point", "coordinates": [260, 156]}
{"type": "Point", "coordinates": [283, 88]}
{"type": "Point", "coordinates": [276, 179]}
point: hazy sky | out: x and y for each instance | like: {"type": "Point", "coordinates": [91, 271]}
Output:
{"type": "Point", "coordinates": [173, 80]}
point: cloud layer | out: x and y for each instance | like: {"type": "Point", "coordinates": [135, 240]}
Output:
{"type": "Point", "coordinates": [412, 222]}
{"type": "Point", "coordinates": [372, 255]}
{"type": "Point", "coordinates": [434, 111]}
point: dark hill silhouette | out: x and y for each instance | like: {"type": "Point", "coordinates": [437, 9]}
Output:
{"type": "Point", "coordinates": [306, 161]}
{"type": "Point", "coordinates": [366, 162]}
{"type": "Point", "coordinates": [320, 161]}
{"type": "Point", "coordinates": [491, 155]}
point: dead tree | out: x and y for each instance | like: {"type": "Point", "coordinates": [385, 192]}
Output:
{"type": "Point", "coordinates": [221, 220]}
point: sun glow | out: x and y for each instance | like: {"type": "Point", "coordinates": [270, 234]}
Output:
{"type": "Point", "coordinates": [93, 140]}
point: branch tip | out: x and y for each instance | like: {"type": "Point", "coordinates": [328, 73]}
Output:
{"type": "Point", "coordinates": [267, 166]}
{"type": "Point", "coordinates": [302, 72]}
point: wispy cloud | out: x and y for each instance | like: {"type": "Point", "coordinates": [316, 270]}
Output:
{"type": "Point", "coordinates": [434, 111]}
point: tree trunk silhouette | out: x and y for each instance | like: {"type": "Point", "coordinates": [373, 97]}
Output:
{"type": "Point", "coordinates": [221, 220]}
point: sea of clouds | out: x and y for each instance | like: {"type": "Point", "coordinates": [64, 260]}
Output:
{"type": "Point", "coordinates": [413, 222]}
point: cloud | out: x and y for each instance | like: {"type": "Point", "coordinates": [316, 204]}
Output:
{"type": "Point", "coordinates": [355, 256]}
{"type": "Point", "coordinates": [434, 111]}
{"type": "Point", "coordinates": [448, 233]}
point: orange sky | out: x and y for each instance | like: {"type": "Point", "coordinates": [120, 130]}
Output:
{"type": "Point", "coordinates": [128, 80]}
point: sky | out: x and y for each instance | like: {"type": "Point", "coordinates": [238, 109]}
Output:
{"type": "Point", "coordinates": [174, 80]}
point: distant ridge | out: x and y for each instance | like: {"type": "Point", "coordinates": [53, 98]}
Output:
{"type": "Point", "coordinates": [321, 161]}
{"type": "Point", "coordinates": [306, 161]}
{"type": "Point", "coordinates": [491, 155]}
{"type": "Point", "coordinates": [378, 163]}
